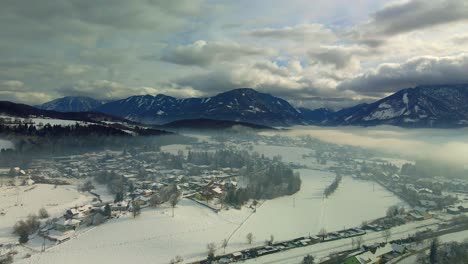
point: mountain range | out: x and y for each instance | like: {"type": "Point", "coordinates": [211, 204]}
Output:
{"type": "Point", "coordinates": [72, 104]}
{"type": "Point", "coordinates": [421, 106]}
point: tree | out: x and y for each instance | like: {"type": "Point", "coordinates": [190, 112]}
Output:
{"type": "Point", "coordinates": [154, 200]}
{"type": "Point", "coordinates": [43, 213]}
{"type": "Point", "coordinates": [357, 242]}
{"type": "Point", "coordinates": [25, 228]}
{"type": "Point", "coordinates": [433, 253]}
{"type": "Point", "coordinates": [386, 234]}
{"type": "Point", "coordinates": [8, 259]}
{"type": "Point", "coordinates": [174, 200]}
{"type": "Point", "coordinates": [308, 260]}
{"type": "Point", "coordinates": [250, 238]}
{"type": "Point", "coordinates": [211, 247]}
{"type": "Point", "coordinates": [392, 211]}
{"type": "Point", "coordinates": [86, 187]}
{"type": "Point", "coordinates": [118, 197]}
{"type": "Point", "coordinates": [177, 259]}
{"type": "Point", "coordinates": [12, 172]}
{"type": "Point", "coordinates": [23, 238]}
{"type": "Point", "coordinates": [136, 209]}
{"type": "Point", "coordinates": [271, 240]}
{"type": "Point", "coordinates": [322, 233]}
{"type": "Point", "coordinates": [107, 210]}
{"type": "Point", "coordinates": [224, 244]}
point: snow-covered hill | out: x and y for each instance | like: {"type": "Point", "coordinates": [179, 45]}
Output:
{"type": "Point", "coordinates": [422, 106]}
{"type": "Point", "coordinates": [72, 104]}
{"type": "Point", "coordinates": [244, 105]}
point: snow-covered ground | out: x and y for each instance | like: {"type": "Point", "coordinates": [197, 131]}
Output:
{"type": "Point", "coordinates": [6, 144]}
{"type": "Point", "coordinates": [157, 237]}
{"type": "Point", "coordinates": [306, 212]}
{"type": "Point", "coordinates": [17, 202]}
{"type": "Point", "coordinates": [51, 121]}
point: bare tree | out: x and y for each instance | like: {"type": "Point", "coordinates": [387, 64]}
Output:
{"type": "Point", "coordinates": [43, 213]}
{"type": "Point", "coordinates": [392, 211]}
{"type": "Point", "coordinates": [250, 238]}
{"type": "Point", "coordinates": [357, 242]}
{"type": "Point", "coordinates": [271, 240]}
{"type": "Point", "coordinates": [211, 247]}
{"type": "Point", "coordinates": [308, 260]}
{"type": "Point", "coordinates": [322, 233]}
{"type": "Point", "coordinates": [177, 259]}
{"type": "Point", "coordinates": [386, 234]}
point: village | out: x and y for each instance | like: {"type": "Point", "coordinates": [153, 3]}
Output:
{"type": "Point", "coordinates": [147, 175]}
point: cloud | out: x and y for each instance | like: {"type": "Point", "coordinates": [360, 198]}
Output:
{"type": "Point", "coordinates": [105, 89]}
{"type": "Point", "coordinates": [302, 32]}
{"type": "Point", "coordinates": [74, 69]}
{"type": "Point", "coordinates": [391, 77]}
{"type": "Point", "coordinates": [11, 86]}
{"type": "Point", "coordinates": [288, 80]}
{"type": "Point", "coordinates": [14, 90]}
{"type": "Point", "coordinates": [340, 57]}
{"type": "Point", "coordinates": [418, 14]}
{"type": "Point", "coordinates": [460, 40]}
{"type": "Point", "coordinates": [203, 53]}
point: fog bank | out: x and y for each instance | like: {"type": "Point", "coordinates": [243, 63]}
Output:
{"type": "Point", "coordinates": [447, 145]}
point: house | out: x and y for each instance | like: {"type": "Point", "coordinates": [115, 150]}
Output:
{"type": "Point", "coordinates": [414, 216]}
{"type": "Point", "coordinates": [119, 206]}
{"type": "Point", "coordinates": [71, 213]}
{"type": "Point", "coordinates": [142, 200]}
{"type": "Point", "coordinates": [453, 210]}
{"type": "Point", "coordinates": [397, 248]}
{"type": "Point", "coordinates": [237, 256]}
{"type": "Point", "coordinates": [67, 224]}
{"type": "Point", "coordinates": [428, 203]}
{"type": "Point", "coordinates": [370, 256]}
{"type": "Point", "coordinates": [463, 207]}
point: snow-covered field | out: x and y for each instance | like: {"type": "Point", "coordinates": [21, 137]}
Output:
{"type": "Point", "coordinates": [157, 237]}
{"type": "Point", "coordinates": [6, 144]}
{"type": "Point", "coordinates": [18, 202]}
{"type": "Point", "coordinates": [306, 212]}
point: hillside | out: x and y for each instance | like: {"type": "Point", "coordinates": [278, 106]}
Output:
{"type": "Point", "coordinates": [423, 106]}
{"type": "Point", "coordinates": [72, 104]}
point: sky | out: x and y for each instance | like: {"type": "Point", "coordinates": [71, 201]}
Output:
{"type": "Point", "coordinates": [313, 53]}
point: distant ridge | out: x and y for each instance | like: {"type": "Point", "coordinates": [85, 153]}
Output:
{"type": "Point", "coordinates": [240, 105]}
{"type": "Point", "coordinates": [72, 104]}
{"type": "Point", "coordinates": [442, 106]}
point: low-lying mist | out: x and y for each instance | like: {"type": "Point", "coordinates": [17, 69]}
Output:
{"type": "Point", "coordinates": [449, 146]}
